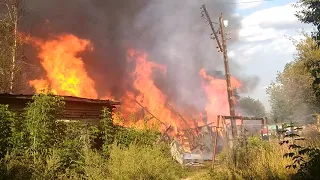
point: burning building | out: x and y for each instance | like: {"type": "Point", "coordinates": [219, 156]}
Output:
{"type": "Point", "coordinates": [66, 75]}
{"type": "Point", "coordinates": [156, 58]}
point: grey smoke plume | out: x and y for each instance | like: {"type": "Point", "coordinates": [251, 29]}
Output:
{"type": "Point", "coordinates": [171, 32]}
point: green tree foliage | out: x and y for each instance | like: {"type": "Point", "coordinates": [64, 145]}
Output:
{"type": "Point", "coordinates": [6, 119]}
{"type": "Point", "coordinates": [108, 130]}
{"type": "Point", "coordinates": [143, 137]}
{"type": "Point", "coordinates": [292, 93]}
{"type": "Point", "coordinates": [309, 59]}
{"type": "Point", "coordinates": [310, 13]}
{"type": "Point", "coordinates": [252, 107]}
{"type": "Point", "coordinates": [69, 147]}
{"type": "Point", "coordinates": [41, 116]}
{"type": "Point", "coordinates": [280, 106]}
{"type": "Point", "coordinates": [306, 160]}
{"type": "Point", "coordinates": [305, 157]}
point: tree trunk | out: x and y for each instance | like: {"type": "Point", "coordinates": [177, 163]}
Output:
{"type": "Point", "coordinates": [14, 19]}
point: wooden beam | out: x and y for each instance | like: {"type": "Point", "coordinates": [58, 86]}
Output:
{"type": "Point", "coordinates": [244, 117]}
{"type": "Point", "coordinates": [180, 115]}
{"type": "Point", "coordinates": [153, 116]}
{"type": "Point", "coordinates": [215, 142]}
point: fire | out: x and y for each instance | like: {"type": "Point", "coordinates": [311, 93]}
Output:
{"type": "Point", "coordinates": [149, 95]}
{"type": "Point", "coordinates": [66, 74]}
{"type": "Point", "coordinates": [217, 95]}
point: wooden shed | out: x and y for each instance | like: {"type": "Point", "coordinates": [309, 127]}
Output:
{"type": "Point", "coordinates": [82, 109]}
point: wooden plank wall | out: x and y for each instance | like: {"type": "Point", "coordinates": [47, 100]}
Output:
{"type": "Point", "coordinates": [74, 110]}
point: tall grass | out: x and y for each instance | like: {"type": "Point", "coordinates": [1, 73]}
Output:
{"type": "Point", "coordinates": [136, 162]}
{"type": "Point", "coordinates": [257, 159]}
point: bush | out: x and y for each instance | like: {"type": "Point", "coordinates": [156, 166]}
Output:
{"type": "Point", "coordinates": [255, 159]}
{"type": "Point", "coordinates": [43, 148]}
{"type": "Point", "coordinates": [16, 167]}
{"type": "Point", "coordinates": [70, 146]}
{"type": "Point", "coordinates": [6, 119]}
{"type": "Point", "coordinates": [305, 156]}
{"type": "Point", "coordinates": [137, 162]}
{"type": "Point", "coordinates": [108, 129]}
{"type": "Point", "coordinates": [140, 137]}
{"type": "Point", "coordinates": [95, 165]}
{"type": "Point", "coordinates": [41, 116]}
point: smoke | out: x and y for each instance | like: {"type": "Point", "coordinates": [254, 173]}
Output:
{"type": "Point", "coordinates": [171, 32]}
{"type": "Point", "coordinates": [250, 83]}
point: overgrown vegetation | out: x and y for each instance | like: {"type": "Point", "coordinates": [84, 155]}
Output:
{"type": "Point", "coordinates": [37, 146]}
{"type": "Point", "coordinates": [296, 94]}
{"type": "Point", "coordinates": [255, 159]}
{"type": "Point", "coordinates": [305, 156]}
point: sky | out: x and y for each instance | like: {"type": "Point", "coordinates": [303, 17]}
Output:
{"type": "Point", "coordinates": [264, 47]}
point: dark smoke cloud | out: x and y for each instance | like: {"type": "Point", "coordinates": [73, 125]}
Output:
{"type": "Point", "coordinates": [250, 83]}
{"type": "Point", "coordinates": [172, 32]}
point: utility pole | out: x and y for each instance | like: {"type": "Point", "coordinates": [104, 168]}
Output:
{"type": "Point", "coordinates": [223, 48]}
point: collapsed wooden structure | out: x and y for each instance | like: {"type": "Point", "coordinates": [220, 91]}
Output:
{"type": "Point", "coordinates": [204, 145]}
{"type": "Point", "coordinates": [226, 132]}
{"type": "Point", "coordinates": [82, 109]}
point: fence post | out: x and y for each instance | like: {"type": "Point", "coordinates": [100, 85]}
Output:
{"type": "Point", "coordinates": [215, 141]}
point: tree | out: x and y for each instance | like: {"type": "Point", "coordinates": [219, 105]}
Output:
{"type": "Point", "coordinates": [252, 107]}
{"type": "Point", "coordinates": [12, 64]}
{"type": "Point", "coordinates": [280, 106]}
{"type": "Point", "coordinates": [6, 42]}
{"type": "Point", "coordinates": [292, 95]}
{"type": "Point", "coordinates": [310, 14]}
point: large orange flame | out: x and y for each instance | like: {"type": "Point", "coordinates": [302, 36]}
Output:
{"type": "Point", "coordinates": [149, 97]}
{"type": "Point", "coordinates": [217, 95]}
{"type": "Point", "coordinates": [66, 74]}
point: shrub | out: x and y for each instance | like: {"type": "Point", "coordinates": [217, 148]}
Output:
{"type": "Point", "coordinates": [305, 156]}
{"type": "Point", "coordinates": [136, 162]}
{"type": "Point", "coordinates": [16, 166]}
{"type": "Point", "coordinates": [6, 119]}
{"type": "Point", "coordinates": [69, 147]}
{"type": "Point", "coordinates": [107, 130]}
{"type": "Point", "coordinates": [257, 159]}
{"type": "Point", "coordinates": [140, 137]}
{"type": "Point", "coordinates": [95, 165]}
{"type": "Point", "coordinates": [41, 116]}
